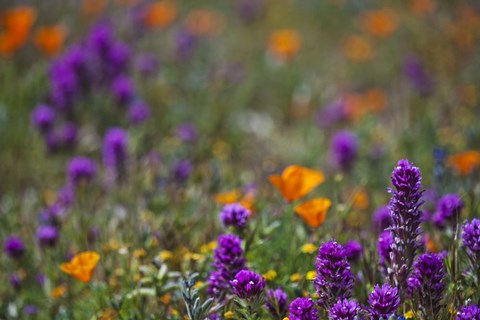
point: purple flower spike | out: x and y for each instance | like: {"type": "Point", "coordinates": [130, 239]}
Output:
{"type": "Point", "coordinates": [381, 218]}
{"type": "Point", "coordinates": [344, 310]}
{"type": "Point", "coordinates": [81, 169]}
{"type": "Point", "coordinates": [406, 218]}
{"type": "Point", "coordinates": [115, 148]}
{"type": "Point", "coordinates": [449, 208]}
{"type": "Point", "coordinates": [123, 90]}
{"type": "Point", "coordinates": [353, 250]}
{"type": "Point", "coordinates": [14, 247]}
{"type": "Point", "coordinates": [277, 302]}
{"type": "Point", "coordinates": [138, 112]}
{"type": "Point", "coordinates": [471, 312]}
{"type": "Point", "coordinates": [303, 309]}
{"type": "Point", "coordinates": [385, 240]}
{"type": "Point", "coordinates": [247, 284]}
{"type": "Point", "coordinates": [47, 236]}
{"type": "Point", "coordinates": [43, 117]}
{"type": "Point", "coordinates": [334, 279]}
{"type": "Point", "coordinates": [234, 215]}
{"type": "Point", "coordinates": [344, 149]}
{"type": "Point", "coordinates": [228, 261]}
{"type": "Point", "coordinates": [383, 301]}
{"type": "Point", "coordinates": [427, 283]}
{"type": "Point", "coordinates": [471, 238]}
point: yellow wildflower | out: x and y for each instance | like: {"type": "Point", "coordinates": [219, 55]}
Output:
{"type": "Point", "coordinates": [270, 275]}
{"type": "Point", "coordinates": [308, 248]}
{"type": "Point", "coordinates": [311, 275]}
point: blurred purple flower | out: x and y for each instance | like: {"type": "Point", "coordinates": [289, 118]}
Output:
{"type": "Point", "coordinates": [123, 90]}
{"type": "Point", "coordinates": [417, 75]}
{"type": "Point", "coordinates": [353, 250]}
{"type": "Point", "coordinates": [138, 112]}
{"type": "Point", "coordinates": [43, 117]}
{"type": "Point", "coordinates": [343, 149]}
{"type": "Point", "coordinates": [234, 215]}
{"type": "Point", "coordinates": [81, 169]}
{"type": "Point", "coordinates": [182, 170]}
{"type": "Point", "coordinates": [147, 64]}
{"type": "Point", "coordinates": [250, 10]}
{"type": "Point", "coordinates": [15, 280]}
{"type": "Point", "coordinates": [30, 310]}
{"type": "Point", "coordinates": [14, 247]}
{"type": "Point", "coordinates": [185, 44]}
{"type": "Point", "coordinates": [329, 115]}
{"type": "Point", "coordinates": [449, 208]}
{"type": "Point", "coordinates": [47, 236]}
{"type": "Point", "coordinates": [385, 240]}
{"type": "Point", "coordinates": [381, 218]}
{"type": "Point", "coordinates": [186, 132]}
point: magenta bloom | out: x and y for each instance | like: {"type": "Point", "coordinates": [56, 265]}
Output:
{"type": "Point", "coordinates": [383, 301]}
{"type": "Point", "coordinates": [449, 208]}
{"type": "Point", "coordinates": [138, 112]}
{"type": "Point", "coordinates": [277, 303]}
{"type": "Point", "coordinates": [43, 117]}
{"type": "Point", "coordinates": [471, 312]}
{"type": "Point", "coordinates": [303, 309]}
{"type": "Point", "coordinates": [123, 90]}
{"type": "Point", "coordinates": [47, 236]}
{"type": "Point", "coordinates": [81, 169]}
{"type": "Point", "coordinates": [385, 241]}
{"type": "Point", "coordinates": [381, 218]}
{"type": "Point", "coordinates": [353, 250]}
{"type": "Point", "coordinates": [247, 284]}
{"type": "Point", "coordinates": [343, 149]}
{"type": "Point", "coordinates": [115, 148]}
{"type": "Point", "coordinates": [14, 247]}
{"type": "Point", "coordinates": [234, 215]}
{"type": "Point", "coordinates": [471, 238]}
{"type": "Point", "coordinates": [344, 310]}
{"type": "Point", "coordinates": [334, 279]}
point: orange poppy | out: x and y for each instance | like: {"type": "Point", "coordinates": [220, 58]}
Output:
{"type": "Point", "coordinates": [92, 8]}
{"type": "Point", "coordinates": [82, 266]}
{"type": "Point", "coordinates": [295, 182]}
{"type": "Point", "coordinates": [422, 7]}
{"type": "Point", "coordinates": [380, 23]}
{"type": "Point", "coordinates": [465, 162]}
{"type": "Point", "coordinates": [227, 197]}
{"type": "Point", "coordinates": [203, 22]}
{"type": "Point", "coordinates": [284, 44]}
{"type": "Point", "coordinates": [360, 200]}
{"type": "Point", "coordinates": [160, 14]}
{"type": "Point", "coordinates": [358, 49]}
{"type": "Point", "coordinates": [50, 39]}
{"type": "Point", "coordinates": [17, 23]}
{"type": "Point", "coordinates": [314, 212]}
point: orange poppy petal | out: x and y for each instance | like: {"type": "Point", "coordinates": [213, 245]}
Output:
{"type": "Point", "coordinates": [314, 212]}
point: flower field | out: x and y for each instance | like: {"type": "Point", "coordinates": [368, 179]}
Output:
{"type": "Point", "coordinates": [240, 159]}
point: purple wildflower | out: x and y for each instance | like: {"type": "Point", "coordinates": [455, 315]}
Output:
{"type": "Point", "coordinates": [385, 240]}
{"type": "Point", "coordinates": [67, 134]}
{"type": "Point", "coordinates": [138, 112]}
{"type": "Point", "coordinates": [331, 114]}
{"type": "Point", "coordinates": [228, 261]}
{"type": "Point", "coordinates": [471, 238]}
{"type": "Point", "coordinates": [43, 117]}
{"type": "Point", "coordinates": [186, 132]}
{"type": "Point", "coordinates": [406, 218]}
{"type": "Point", "coordinates": [383, 302]}
{"type": "Point", "coordinates": [234, 215]}
{"type": "Point", "coordinates": [182, 170]}
{"type": "Point", "coordinates": [343, 149]}
{"type": "Point", "coordinates": [427, 283]}
{"type": "Point", "coordinates": [115, 148]}
{"type": "Point", "coordinates": [277, 303]}
{"type": "Point", "coordinates": [471, 312]}
{"type": "Point", "coordinates": [449, 208]}
{"type": "Point", "coordinates": [146, 64]}
{"type": "Point", "coordinates": [15, 280]}
{"type": "Point", "coordinates": [353, 250]}
{"type": "Point", "coordinates": [334, 279]}
{"type": "Point", "coordinates": [123, 90]}
{"type": "Point", "coordinates": [247, 284]}
{"type": "Point", "coordinates": [47, 236]}
{"type": "Point", "coordinates": [30, 310]}
{"type": "Point", "coordinates": [381, 218]}
{"type": "Point", "coordinates": [185, 44]}
{"type": "Point", "coordinates": [417, 75]}
{"type": "Point", "coordinates": [81, 169]}
{"type": "Point", "coordinates": [14, 247]}
{"type": "Point", "coordinates": [344, 310]}
{"type": "Point", "coordinates": [303, 309]}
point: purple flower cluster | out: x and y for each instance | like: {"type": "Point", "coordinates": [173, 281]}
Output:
{"type": "Point", "coordinates": [331, 114]}
{"type": "Point", "coordinates": [234, 215]}
{"type": "Point", "coordinates": [47, 236]}
{"type": "Point", "coordinates": [334, 279]}
{"type": "Point", "coordinates": [417, 75]}
{"type": "Point", "coordinates": [344, 149]}
{"type": "Point", "coordinates": [385, 240]}
{"type": "Point", "coordinates": [383, 302]}
{"type": "Point", "coordinates": [344, 309]}
{"type": "Point", "coordinates": [81, 170]}
{"type": "Point", "coordinates": [353, 250]}
{"type": "Point", "coordinates": [471, 312]}
{"type": "Point", "coordinates": [427, 283]}
{"type": "Point", "coordinates": [228, 261]}
{"type": "Point", "coordinates": [406, 218]}
{"type": "Point", "coordinates": [448, 210]}
{"type": "Point", "coordinates": [382, 218]}
{"type": "Point", "coordinates": [115, 151]}
{"type": "Point", "coordinates": [247, 284]}
{"type": "Point", "coordinates": [14, 247]}
{"type": "Point", "coordinates": [277, 302]}
{"type": "Point", "coordinates": [471, 237]}
{"type": "Point", "coordinates": [303, 309]}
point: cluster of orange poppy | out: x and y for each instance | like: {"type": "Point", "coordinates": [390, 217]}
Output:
{"type": "Point", "coordinates": [296, 182]}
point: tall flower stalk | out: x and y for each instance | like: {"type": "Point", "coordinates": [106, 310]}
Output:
{"type": "Point", "coordinates": [406, 218]}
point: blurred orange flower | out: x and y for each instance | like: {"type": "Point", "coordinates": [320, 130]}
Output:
{"type": "Point", "coordinates": [203, 22]}
{"type": "Point", "coordinates": [360, 200]}
{"type": "Point", "coordinates": [422, 7]}
{"type": "Point", "coordinates": [465, 162]}
{"type": "Point", "coordinates": [92, 8]}
{"type": "Point", "coordinates": [295, 182]}
{"type": "Point", "coordinates": [358, 49]}
{"type": "Point", "coordinates": [59, 291]}
{"type": "Point", "coordinates": [17, 23]}
{"type": "Point", "coordinates": [284, 44]}
{"type": "Point", "coordinates": [247, 201]}
{"type": "Point", "coordinates": [160, 14]}
{"type": "Point", "coordinates": [379, 23]}
{"type": "Point", "coordinates": [82, 266]}
{"type": "Point", "coordinates": [50, 39]}
{"type": "Point", "coordinates": [314, 212]}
